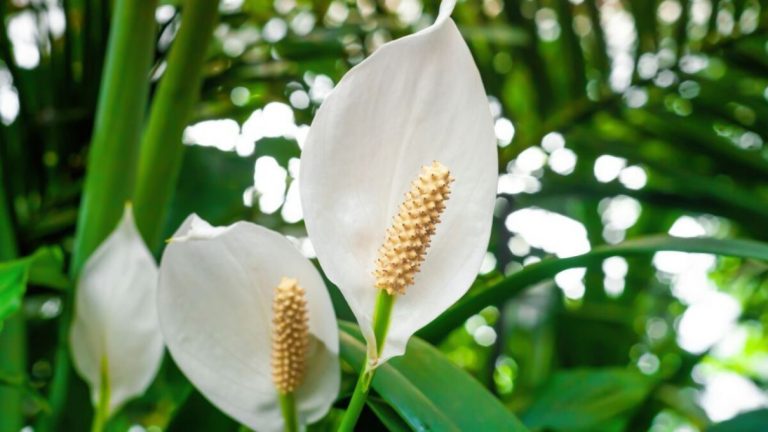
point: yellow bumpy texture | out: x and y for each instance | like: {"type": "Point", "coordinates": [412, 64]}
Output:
{"type": "Point", "coordinates": [290, 335]}
{"type": "Point", "coordinates": [408, 238]}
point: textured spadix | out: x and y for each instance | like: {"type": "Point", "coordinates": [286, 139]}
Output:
{"type": "Point", "coordinates": [415, 100]}
{"type": "Point", "coordinates": [290, 335]}
{"type": "Point", "coordinates": [115, 324]}
{"type": "Point", "coordinates": [217, 288]}
{"type": "Point", "coordinates": [408, 238]}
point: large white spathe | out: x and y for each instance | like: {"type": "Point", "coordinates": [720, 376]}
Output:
{"type": "Point", "coordinates": [115, 325]}
{"type": "Point", "coordinates": [415, 100]}
{"type": "Point", "coordinates": [215, 302]}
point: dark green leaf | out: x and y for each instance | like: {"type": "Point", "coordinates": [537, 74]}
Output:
{"type": "Point", "coordinates": [753, 421]}
{"type": "Point", "coordinates": [586, 399]}
{"type": "Point", "coordinates": [211, 184]}
{"type": "Point", "coordinates": [387, 415]}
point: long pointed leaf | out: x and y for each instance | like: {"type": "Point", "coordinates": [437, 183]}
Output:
{"type": "Point", "coordinates": [534, 273]}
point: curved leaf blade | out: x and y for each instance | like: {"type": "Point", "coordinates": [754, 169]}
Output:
{"type": "Point", "coordinates": [535, 273]}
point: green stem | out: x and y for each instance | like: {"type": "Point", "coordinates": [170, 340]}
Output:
{"type": "Point", "coordinates": [161, 147]}
{"type": "Point", "coordinates": [117, 129]}
{"type": "Point", "coordinates": [362, 388]}
{"type": "Point", "coordinates": [381, 318]}
{"type": "Point", "coordinates": [288, 407]}
{"type": "Point", "coordinates": [112, 160]}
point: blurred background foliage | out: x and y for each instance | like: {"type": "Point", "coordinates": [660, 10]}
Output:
{"type": "Point", "coordinates": [615, 119]}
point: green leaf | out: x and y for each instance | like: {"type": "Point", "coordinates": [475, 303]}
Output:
{"type": "Point", "coordinates": [13, 283]}
{"type": "Point", "coordinates": [388, 416]}
{"type": "Point", "coordinates": [428, 391]}
{"type": "Point", "coordinates": [753, 421]}
{"type": "Point", "coordinates": [22, 384]}
{"type": "Point", "coordinates": [44, 267]}
{"type": "Point", "coordinates": [585, 399]}
{"type": "Point", "coordinates": [281, 149]}
{"type": "Point", "coordinates": [511, 286]}
{"type": "Point", "coordinates": [47, 269]}
{"type": "Point", "coordinates": [211, 184]}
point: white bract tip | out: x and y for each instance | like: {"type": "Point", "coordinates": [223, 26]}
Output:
{"type": "Point", "coordinates": [415, 100]}
{"type": "Point", "coordinates": [215, 302]}
{"type": "Point", "coordinates": [115, 323]}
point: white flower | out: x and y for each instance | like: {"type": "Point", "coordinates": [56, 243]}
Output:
{"type": "Point", "coordinates": [416, 100]}
{"type": "Point", "coordinates": [115, 339]}
{"type": "Point", "coordinates": [215, 301]}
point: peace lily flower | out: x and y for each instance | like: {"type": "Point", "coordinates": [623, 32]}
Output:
{"type": "Point", "coordinates": [249, 321]}
{"type": "Point", "coordinates": [115, 336]}
{"type": "Point", "coordinates": [398, 183]}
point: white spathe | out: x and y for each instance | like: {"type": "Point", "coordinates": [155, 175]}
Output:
{"type": "Point", "coordinates": [115, 321]}
{"type": "Point", "coordinates": [415, 100]}
{"type": "Point", "coordinates": [215, 302]}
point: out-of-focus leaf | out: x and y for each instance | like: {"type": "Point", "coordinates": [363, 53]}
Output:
{"type": "Point", "coordinates": [428, 391]}
{"type": "Point", "coordinates": [585, 399]}
{"type": "Point", "coordinates": [752, 421]}
{"type": "Point", "coordinates": [329, 423]}
{"type": "Point", "coordinates": [534, 273]}
{"type": "Point", "coordinates": [22, 384]}
{"type": "Point", "coordinates": [388, 416]}
{"type": "Point", "coordinates": [197, 414]}
{"type": "Point", "coordinates": [281, 149]}
{"type": "Point", "coordinates": [211, 184]}
{"type": "Point", "coordinates": [13, 283]}
{"type": "Point", "coordinates": [47, 269]}
{"type": "Point", "coordinates": [44, 267]}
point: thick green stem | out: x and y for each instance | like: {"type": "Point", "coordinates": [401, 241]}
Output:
{"type": "Point", "coordinates": [288, 408]}
{"type": "Point", "coordinates": [112, 158]}
{"type": "Point", "coordinates": [161, 147]}
{"type": "Point", "coordinates": [119, 118]}
{"type": "Point", "coordinates": [381, 317]}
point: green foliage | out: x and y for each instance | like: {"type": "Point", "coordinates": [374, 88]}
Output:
{"type": "Point", "coordinates": [753, 421]}
{"type": "Point", "coordinates": [13, 282]}
{"type": "Point", "coordinates": [586, 399]}
{"type": "Point", "coordinates": [511, 286]}
{"type": "Point", "coordinates": [691, 113]}
{"type": "Point", "coordinates": [43, 268]}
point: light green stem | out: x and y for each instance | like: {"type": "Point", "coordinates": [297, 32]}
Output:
{"type": "Point", "coordinates": [101, 410]}
{"type": "Point", "coordinates": [288, 408]}
{"type": "Point", "coordinates": [161, 146]}
{"type": "Point", "coordinates": [117, 129]}
{"type": "Point", "coordinates": [381, 318]}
